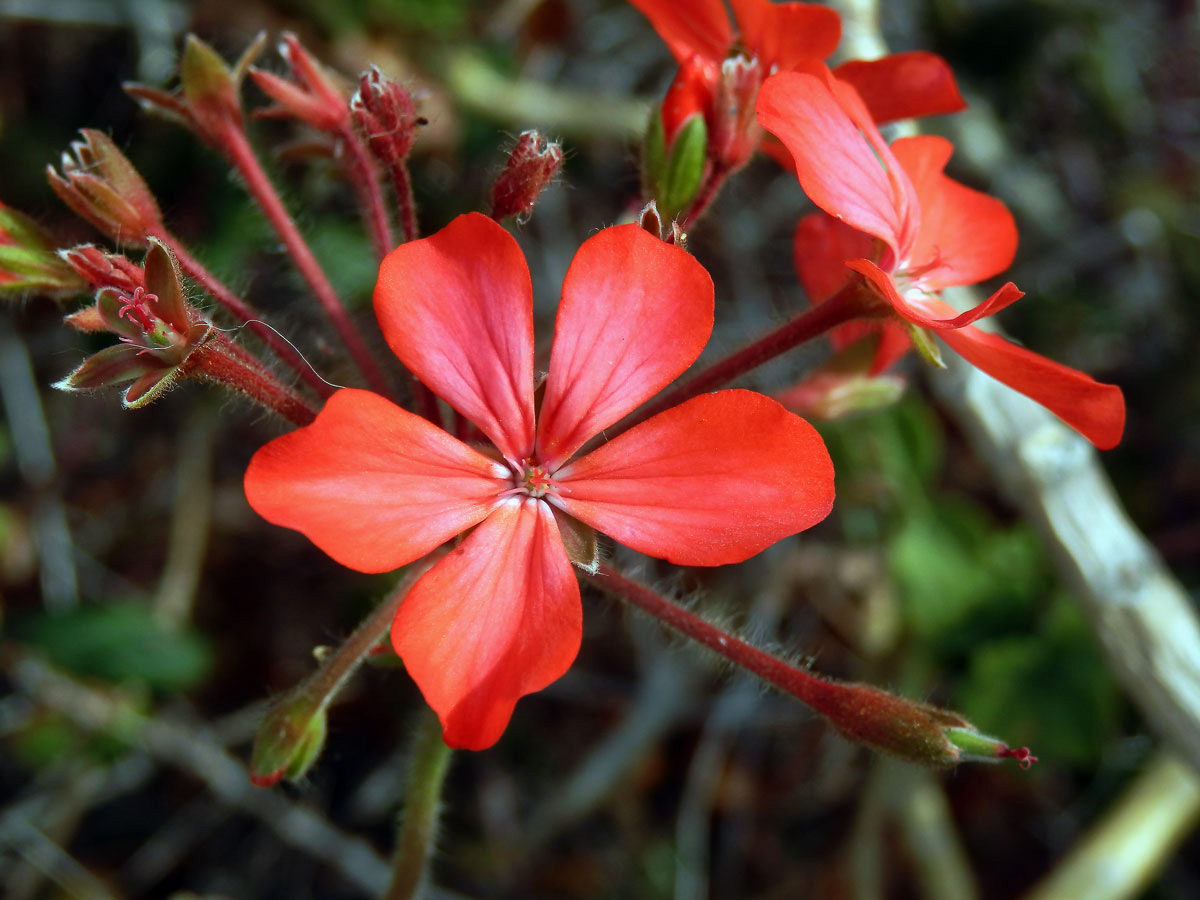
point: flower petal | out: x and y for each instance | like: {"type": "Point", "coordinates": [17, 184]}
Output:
{"type": "Point", "coordinates": [457, 308]}
{"type": "Point", "coordinates": [371, 484]}
{"type": "Point", "coordinates": [635, 313]}
{"type": "Point", "coordinates": [1095, 410]}
{"type": "Point", "coordinates": [842, 162]}
{"type": "Point", "coordinates": [698, 26]}
{"type": "Point", "coordinates": [918, 309]}
{"type": "Point", "coordinates": [820, 249]}
{"type": "Point", "coordinates": [709, 482]}
{"type": "Point", "coordinates": [783, 35]}
{"type": "Point", "coordinates": [903, 85]}
{"type": "Point", "coordinates": [966, 236]}
{"type": "Point", "coordinates": [495, 620]}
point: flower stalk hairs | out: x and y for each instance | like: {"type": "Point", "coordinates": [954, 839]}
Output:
{"type": "Point", "coordinates": [710, 482]}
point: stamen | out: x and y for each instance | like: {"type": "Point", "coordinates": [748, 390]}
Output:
{"type": "Point", "coordinates": [134, 308]}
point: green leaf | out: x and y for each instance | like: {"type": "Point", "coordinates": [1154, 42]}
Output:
{"type": "Point", "coordinates": [121, 642]}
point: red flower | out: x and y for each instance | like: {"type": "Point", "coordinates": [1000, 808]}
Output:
{"type": "Point", "coordinates": [931, 231]}
{"type": "Point", "coordinates": [712, 481]}
{"type": "Point", "coordinates": [782, 36]}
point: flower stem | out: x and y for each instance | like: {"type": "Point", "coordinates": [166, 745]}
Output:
{"type": "Point", "coordinates": [426, 775]}
{"type": "Point", "coordinates": [361, 171]}
{"type": "Point", "coordinates": [261, 189]}
{"type": "Point", "coordinates": [707, 194]}
{"type": "Point", "coordinates": [404, 199]}
{"type": "Point", "coordinates": [813, 322]}
{"type": "Point", "coordinates": [243, 312]}
{"type": "Point", "coordinates": [220, 360]}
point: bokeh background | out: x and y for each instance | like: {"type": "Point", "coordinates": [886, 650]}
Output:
{"type": "Point", "coordinates": [148, 614]}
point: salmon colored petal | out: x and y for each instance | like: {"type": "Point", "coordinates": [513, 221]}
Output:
{"type": "Point", "coordinates": [782, 35]}
{"type": "Point", "coordinates": [1095, 410]}
{"type": "Point", "coordinates": [894, 342]}
{"type": "Point", "coordinates": [924, 310]}
{"type": "Point", "coordinates": [820, 249]}
{"type": "Point", "coordinates": [635, 313]}
{"type": "Point", "coordinates": [457, 308]}
{"type": "Point", "coordinates": [844, 166]}
{"type": "Point", "coordinates": [712, 481]}
{"type": "Point", "coordinates": [966, 236]}
{"type": "Point", "coordinates": [495, 620]}
{"type": "Point", "coordinates": [903, 85]}
{"type": "Point", "coordinates": [697, 26]}
{"type": "Point", "coordinates": [371, 484]}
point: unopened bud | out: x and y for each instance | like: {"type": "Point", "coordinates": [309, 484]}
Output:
{"type": "Point", "coordinates": [28, 262]}
{"type": "Point", "coordinates": [101, 185]}
{"type": "Point", "coordinates": [103, 269]}
{"type": "Point", "coordinates": [315, 96]}
{"type": "Point", "coordinates": [385, 115]}
{"type": "Point", "coordinates": [288, 742]}
{"type": "Point", "coordinates": [844, 385]}
{"type": "Point", "coordinates": [913, 731]}
{"type": "Point", "coordinates": [531, 166]}
{"type": "Point", "coordinates": [735, 130]}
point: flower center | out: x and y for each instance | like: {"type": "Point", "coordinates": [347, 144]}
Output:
{"type": "Point", "coordinates": [534, 479]}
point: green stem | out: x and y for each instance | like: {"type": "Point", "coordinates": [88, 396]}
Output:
{"type": "Point", "coordinates": [422, 799]}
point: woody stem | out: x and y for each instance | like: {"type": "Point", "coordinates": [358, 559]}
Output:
{"type": "Point", "coordinates": [813, 322]}
{"type": "Point", "coordinates": [243, 312]}
{"type": "Point", "coordinates": [240, 153]}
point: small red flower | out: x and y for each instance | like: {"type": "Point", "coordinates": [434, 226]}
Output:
{"type": "Point", "coordinates": [909, 231]}
{"type": "Point", "coordinates": [712, 481]}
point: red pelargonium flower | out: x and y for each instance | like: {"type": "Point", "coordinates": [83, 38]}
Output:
{"type": "Point", "coordinates": [909, 231]}
{"type": "Point", "coordinates": [712, 481]}
{"type": "Point", "coordinates": [783, 36]}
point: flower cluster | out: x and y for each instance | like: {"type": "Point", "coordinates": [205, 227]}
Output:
{"type": "Point", "coordinates": [492, 483]}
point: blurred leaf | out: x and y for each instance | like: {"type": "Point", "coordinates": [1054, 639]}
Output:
{"type": "Point", "coordinates": [120, 643]}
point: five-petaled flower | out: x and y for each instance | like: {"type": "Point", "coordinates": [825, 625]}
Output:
{"type": "Point", "coordinates": [908, 232]}
{"type": "Point", "coordinates": [709, 482]}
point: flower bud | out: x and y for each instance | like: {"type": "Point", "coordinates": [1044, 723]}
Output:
{"type": "Point", "coordinates": [28, 262]}
{"type": "Point", "coordinates": [101, 185]}
{"type": "Point", "coordinates": [913, 731]}
{"type": "Point", "coordinates": [288, 742]}
{"type": "Point", "coordinates": [531, 167]}
{"type": "Point", "coordinates": [208, 100]}
{"type": "Point", "coordinates": [672, 172]}
{"type": "Point", "coordinates": [385, 115]}
{"type": "Point", "coordinates": [315, 97]}
{"type": "Point", "coordinates": [735, 129]}
{"type": "Point", "coordinates": [102, 269]}
{"type": "Point", "coordinates": [844, 385]}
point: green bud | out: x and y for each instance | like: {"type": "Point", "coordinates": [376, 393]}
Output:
{"type": "Point", "coordinates": [674, 174]}
{"type": "Point", "coordinates": [288, 742]}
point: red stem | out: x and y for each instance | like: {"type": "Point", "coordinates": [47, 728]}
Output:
{"type": "Point", "coordinates": [222, 361]}
{"type": "Point", "coordinates": [361, 171]}
{"type": "Point", "coordinates": [712, 187]}
{"type": "Point", "coordinates": [404, 199]}
{"type": "Point", "coordinates": [813, 322]}
{"type": "Point", "coordinates": [243, 312]}
{"type": "Point", "coordinates": [238, 148]}
{"type": "Point", "coordinates": [800, 684]}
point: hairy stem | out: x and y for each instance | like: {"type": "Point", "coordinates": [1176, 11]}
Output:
{"type": "Point", "coordinates": [263, 192]}
{"type": "Point", "coordinates": [244, 313]}
{"type": "Point", "coordinates": [223, 361]}
{"type": "Point", "coordinates": [362, 175]}
{"type": "Point", "coordinates": [422, 799]}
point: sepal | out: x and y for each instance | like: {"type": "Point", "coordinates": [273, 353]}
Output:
{"type": "Point", "coordinates": [288, 742]}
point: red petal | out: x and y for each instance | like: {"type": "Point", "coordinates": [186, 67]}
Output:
{"type": "Point", "coordinates": [966, 236]}
{"type": "Point", "coordinates": [371, 484]}
{"type": "Point", "coordinates": [841, 159]}
{"type": "Point", "coordinates": [903, 85]}
{"type": "Point", "coordinates": [712, 481]}
{"type": "Point", "coordinates": [783, 35]}
{"type": "Point", "coordinates": [698, 26]}
{"type": "Point", "coordinates": [820, 249]}
{"type": "Point", "coordinates": [496, 619]}
{"type": "Point", "coordinates": [918, 309]}
{"type": "Point", "coordinates": [635, 313]}
{"type": "Point", "coordinates": [457, 308]}
{"type": "Point", "coordinates": [1095, 410]}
